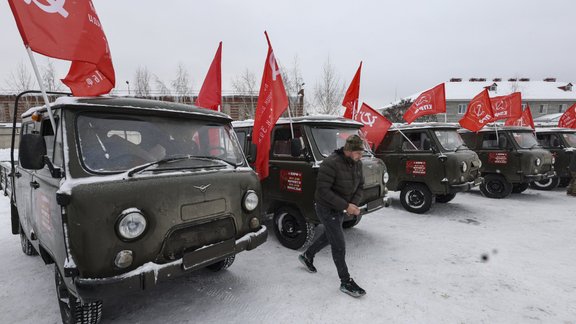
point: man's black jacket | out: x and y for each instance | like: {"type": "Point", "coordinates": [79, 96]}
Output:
{"type": "Point", "coordinates": [339, 181]}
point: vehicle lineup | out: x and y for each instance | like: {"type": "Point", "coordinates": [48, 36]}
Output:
{"type": "Point", "coordinates": [125, 193]}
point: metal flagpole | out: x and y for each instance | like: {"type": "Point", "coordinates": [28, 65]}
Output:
{"type": "Point", "coordinates": [41, 84]}
{"type": "Point", "coordinates": [290, 119]}
{"type": "Point", "coordinates": [404, 136]}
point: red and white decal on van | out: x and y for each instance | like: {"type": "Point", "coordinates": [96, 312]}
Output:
{"type": "Point", "coordinates": [417, 168]}
{"type": "Point", "coordinates": [498, 158]}
{"type": "Point", "coordinates": [291, 180]}
{"type": "Point", "coordinates": [44, 212]}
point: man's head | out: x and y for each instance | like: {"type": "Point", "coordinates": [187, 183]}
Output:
{"type": "Point", "coordinates": [354, 147]}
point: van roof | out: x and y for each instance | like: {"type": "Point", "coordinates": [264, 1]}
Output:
{"type": "Point", "coordinates": [555, 130]}
{"type": "Point", "coordinates": [319, 119]}
{"type": "Point", "coordinates": [131, 103]}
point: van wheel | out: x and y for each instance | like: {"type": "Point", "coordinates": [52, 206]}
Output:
{"type": "Point", "coordinates": [416, 198]}
{"type": "Point", "coordinates": [71, 309]}
{"type": "Point", "coordinates": [221, 265]}
{"type": "Point", "coordinates": [519, 187]}
{"type": "Point", "coordinates": [564, 182]}
{"type": "Point", "coordinates": [547, 184]}
{"type": "Point", "coordinates": [445, 198]}
{"type": "Point", "coordinates": [353, 222]}
{"type": "Point", "coordinates": [495, 186]}
{"type": "Point", "coordinates": [27, 247]}
{"type": "Point", "coordinates": [292, 229]}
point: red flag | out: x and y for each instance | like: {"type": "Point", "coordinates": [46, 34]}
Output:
{"type": "Point", "coordinates": [524, 120]}
{"type": "Point", "coordinates": [509, 106]}
{"type": "Point", "coordinates": [429, 102]}
{"type": "Point", "coordinates": [351, 97]}
{"type": "Point", "coordinates": [479, 112]}
{"type": "Point", "coordinates": [375, 125]}
{"type": "Point", "coordinates": [272, 102]}
{"type": "Point", "coordinates": [568, 119]}
{"type": "Point", "coordinates": [70, 31]}
{"type": "Point", "coordinates": [210, 95]}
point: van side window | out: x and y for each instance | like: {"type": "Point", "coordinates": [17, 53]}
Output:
{"type": "Point", "coordinates": [489, 141]}
{"type": "Point", "coordinates": [281, 147]}
{"type": "Point", "coordinates": [549, 140]}
{"type": "Point", "coordinates": [241, 135]}
{"type": "Point", "coordinates": [48, 134]}
{"type": "Point", "coordinates": [420, 139]}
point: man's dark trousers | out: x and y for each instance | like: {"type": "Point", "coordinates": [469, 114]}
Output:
{"type": "Point", "coordinates": [333, 235]}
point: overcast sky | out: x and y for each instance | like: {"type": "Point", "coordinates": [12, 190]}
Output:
{"type": "Point", "coordinates": [406, 46]}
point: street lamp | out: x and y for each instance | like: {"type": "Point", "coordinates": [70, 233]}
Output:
{"type": "Point", "coordinates": [128, 84]}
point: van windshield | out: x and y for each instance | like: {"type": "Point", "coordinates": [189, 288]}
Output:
{"type": "Point", "coordinates": [525, 139]}
{"type": "Point", "coordinates": [449, 139]}
{"type": "Point", "coordinates": [115, 143]}
{"type": "Point", "coordinates": [329, 139]}
{"type": "Point", "coordinates": [570, 139]}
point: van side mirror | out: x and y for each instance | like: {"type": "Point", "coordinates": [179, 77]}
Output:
{"type": "Point", "coordinates": [502, 142]}
{"type": "Point", "coordinates": [295, 147]}
{"type": "Point", "coordinates": [252, 150]}
{"type": "Point", "coordinates": [426, 145]}
{"type": "Point", "coordinates": [31, 151]}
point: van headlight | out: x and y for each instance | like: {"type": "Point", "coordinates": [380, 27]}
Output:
{"type": "Point", "coordinates": [385, 177]}
{"type": "Point", "coordinates": [131, 224]}
{"type": "Point", "coordinates": [250, 201]}
{"type": "Point", "coordinates": [538, 161]}
{"type": "Point", "coordinates": [463, 166]}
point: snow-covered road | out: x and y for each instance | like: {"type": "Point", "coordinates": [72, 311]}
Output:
{"type": "Point", "coordinates": [473, 260]}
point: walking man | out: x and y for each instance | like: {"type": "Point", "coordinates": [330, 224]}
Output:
{"type": "Point", "coordinates": [338, 189]}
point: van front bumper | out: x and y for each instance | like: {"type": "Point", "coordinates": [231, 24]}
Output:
{"type": "Point", "coordinates": [150, 274]}
{"type": "Point", "coordinates": [461, 187]}
{"type": "Point", "coordinates": [539, 177]}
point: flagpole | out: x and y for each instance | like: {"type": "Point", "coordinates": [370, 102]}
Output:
{"type": "Point", "coordinates": [44, 95]}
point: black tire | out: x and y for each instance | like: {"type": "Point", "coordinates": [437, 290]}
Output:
{"type": "Point", "coordinates": [416, 198]}
{"type": "Point", "coordinates": [223, 264]}
{"type": "Point", "coordinates": [547, 184]}
{"type": "Point", "coordinates": [27, 246]}
{"type": "Point", "coordinates": [445, 198]}
{"type": "Point", "coordinates": [564, 182]}
{"type": "Point", "coordinates": [353, 222]}
{"type": "Point", "coordinates": [519, 187]}
{"type": "Point", "coordinates": [71, 309]}
{"type": "Point", "coordinates": [292, 229]}
{"type": "Point", "coordinates": [495, 186]}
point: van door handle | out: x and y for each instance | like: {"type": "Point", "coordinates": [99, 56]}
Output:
{"type": "Point", "coordinates": [274, 167]}
{"type": "Point", "coordinates": [18, 174]}
{"type": "Point", "coordinates": [34, 185]}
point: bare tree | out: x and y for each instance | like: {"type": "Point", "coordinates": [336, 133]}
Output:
{"type": "Point", "coordinates": [51, 83]}
{"type": "Point", "coordinates": [328, 93]}
{"type": "Point", "coordinates": [244, 86]}
{"type": "Point", "coordinates": [20, 79]}
{"type": "Point", "coordinates": [142, 82]}
{"type": "Point", "coordinates": [182, 83]}
{"type": "Point", "coordinates": [161, 87]}
{"type": "Point", "coordinates": [294, 84]}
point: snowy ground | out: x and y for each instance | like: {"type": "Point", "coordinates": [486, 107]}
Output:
{"type": "Point", "coordinates": [415, 269]}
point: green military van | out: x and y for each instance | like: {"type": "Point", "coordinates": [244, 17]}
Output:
{"type": "Point", "coordinates": [511, 159]}
{"type": "Point", "coordinates": [288, 192]}
{"type": "Point", "coordinates": [561, 142]}
{"type": "Point", "coordinates": [127, 193]}
{"type": "Point", "coordinates": [427, 162]}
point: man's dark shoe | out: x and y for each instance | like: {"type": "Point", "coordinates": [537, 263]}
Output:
{"type": "Point", "coordinates": [351, 288]}
{"type": "Point", "coordinates": [307, 263]}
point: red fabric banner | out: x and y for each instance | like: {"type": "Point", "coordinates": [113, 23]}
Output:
{"type": "Point", "coordinates": [272, 102]}
{"type": "Point", "coordinates": [351, 97]}
{"type": "Point", "coordinates": [68, 30]}
{"type": "Point", "coordinates": [524, 120]}
{"type": "Point", "coordinates": [430, 102]}
{"type": "Point", "coordinates": [479, 112]}
{"type": "Point", "coordinates": [568, 119]}
{"type": "Point", "coordinates": [210, 95]}
{"type": "Point", "coordinates": [509, 106]}
{"type": "Point", "coordinates": [375, 125]}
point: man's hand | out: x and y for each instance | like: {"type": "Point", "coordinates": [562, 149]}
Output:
{"type": "Point", "coordinates": [352, 210]}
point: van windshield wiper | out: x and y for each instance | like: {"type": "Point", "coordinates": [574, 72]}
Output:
{"type": "Point", "coordinates": [159, 162]}
{"type": "Point", "coordinates": [460, 146]}
{"type": "Point", "coordinates": [213, 158]}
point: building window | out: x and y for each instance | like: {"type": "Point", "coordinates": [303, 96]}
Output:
{"type": "Point", "coordinates": [562, 108]}
{"type": "Point", "coordinates": [462, 109]}
{"type": "Point", "coordinates": [544, 109]}
{"type": "Point", "coordinates": [524, 106]}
